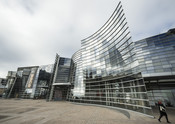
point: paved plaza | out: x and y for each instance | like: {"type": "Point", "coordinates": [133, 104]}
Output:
{"type": "Point", "coordinates": [25, 111]}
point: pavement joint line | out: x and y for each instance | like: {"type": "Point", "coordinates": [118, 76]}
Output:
{"type": "Point", "coordinates": [9, 118]}
{"type": "Point", "coordinates": [117, 108]}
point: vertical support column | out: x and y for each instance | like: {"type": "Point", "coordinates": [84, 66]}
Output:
{"type": "Point", "coordinates": [123, 92]}
{"type": "Point", "coordinates": [51, 93]}
{"type": "Point", "coordinates": [14, 81]}
{"type": "Point", "coordinates": [110, 95]}
{"type": "Point", "coordinates": [107, 93]}
{"type": "Point", "coordinates": [53, 78]}
{"type": "Point", "coordinates": [99, 88]}
{"type": "Point", "coordinates": [68, 93]}
{"type": "Point", "coordinates": [90, 93]}
{"type": "Point", "coordinates": [35, 83]}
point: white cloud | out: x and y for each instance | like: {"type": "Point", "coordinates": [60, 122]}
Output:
{"type": "Point", "coordinates": [147, 18]}
{"type": "Point", "coordinates": [32, 32]}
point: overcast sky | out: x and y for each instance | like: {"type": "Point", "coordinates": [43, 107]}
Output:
{"type": "Point", "coordinates": [33, 31]}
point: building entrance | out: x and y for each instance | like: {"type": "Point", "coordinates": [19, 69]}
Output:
{"type": "Point", "coordinates": [60, 93]}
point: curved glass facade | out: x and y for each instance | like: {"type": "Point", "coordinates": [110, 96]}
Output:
{"type": "Point", "coordinates": [156, 57]}
{"type": "Point", "coordinates": [76, 78]}
{"type": "Point", "coordinates": [109, 51]}
{"type": "Point", "coordinates": [109, 68]}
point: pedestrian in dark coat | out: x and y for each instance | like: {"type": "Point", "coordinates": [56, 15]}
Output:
{"type": "Point", "coordinates": [162, 111]}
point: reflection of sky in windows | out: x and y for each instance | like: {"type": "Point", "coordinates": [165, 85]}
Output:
{"type": "Point", "coordinates": [79, 88]}
{"type": "Point", "coordinates": [47, 68]}
{"type": "Point", "coordinates": [108, 50]}
{"type": "Point", "coordinates": [156, 53]}
{"type": "Point", "coordinates": [65, 61]}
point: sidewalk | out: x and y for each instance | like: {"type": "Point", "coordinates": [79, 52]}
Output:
{"type": "Point", "coordinates": [25, 111]}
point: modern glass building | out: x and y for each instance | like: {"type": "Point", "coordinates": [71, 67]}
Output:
{"type": "Point", "coordinates": [120, 73]}
{"type": "Point", "coordinates": [109, 70]}
{"type": "Point", "coordinates": [40, 86]}
{"type": "Point", "coordinates": [76, 76]}
{"type": "Point", "coordinates": [49, 82]}
{"type": "Point", "coordinates": [156, 57]}
{"type": "Point", "coordinates": [109, 67]}
{"type": "Point", "coordinates": [59, 83]}
{"type": "Point", "coordinates": [29, 82]}
{"type": "Point", "coordinates": [3, 87]}
{"type": "Point", "coordinates": [10, 79]}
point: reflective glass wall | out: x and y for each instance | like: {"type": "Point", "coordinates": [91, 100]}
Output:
{"type": "Point", "coordinates": [41, 83]}
{"type": "Point", "coordinates": [59, 83]}
{"type": "Point", "coordinates": [109, 51]}
{"type": "Point", "coordinates": [29, 82]}
{"type": "Point", "coordinates": [156, 57]}
{"type": "Point", "coordinates": [109, 68]}
{"type": "Point", "coordinates": [62, 75]}
{"type": "Point", "coordinates": [76, 78]}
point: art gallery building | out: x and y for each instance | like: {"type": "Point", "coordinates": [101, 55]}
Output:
{"type": "Point", "coordinates": [110, 69]}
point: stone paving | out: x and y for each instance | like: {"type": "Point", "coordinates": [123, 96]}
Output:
{"type": "Point", "coordinates": [25, 111]}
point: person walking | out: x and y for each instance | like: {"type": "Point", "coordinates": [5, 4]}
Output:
{"type": "Point", "coordinates": [162, 111]}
